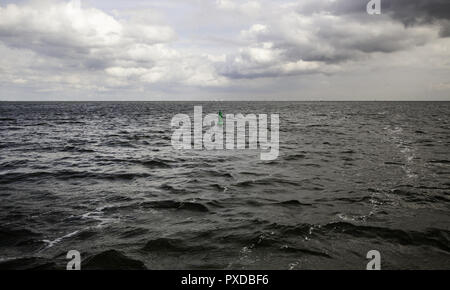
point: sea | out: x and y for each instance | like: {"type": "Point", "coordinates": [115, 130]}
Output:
{"type": "Point", "coordinates": [103, 179]}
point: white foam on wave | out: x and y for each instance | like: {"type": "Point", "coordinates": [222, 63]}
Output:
{"type": "Point", "coordinates": [98, 215]}
{"type": "Point", "coordinates": [51, 243]}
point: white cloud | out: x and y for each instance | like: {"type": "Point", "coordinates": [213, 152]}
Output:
{"type": "Point", "coordinates": [62, 24]}
{"type": "Point", "coordinates": [245, 7]}
{"type": "Point", "coordinates": [81, 38]}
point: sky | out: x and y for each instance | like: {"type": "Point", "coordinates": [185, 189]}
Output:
{"type": "Point", "coordinates": [218, 50]}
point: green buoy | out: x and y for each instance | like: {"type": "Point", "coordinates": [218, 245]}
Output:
{"type": "Point", "coordinates": [220, 118]}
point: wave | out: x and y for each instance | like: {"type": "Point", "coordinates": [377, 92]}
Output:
{"type": "Point", "coordinates": [293, 202]}
{"type": "Point", "coordinates": [14, 164]}
{"type": "Point", "coordinates": [294, 157]}
{"type": "Point", "coordinates": [172, 245]}
{"type": "Point", "coordinates": [17, 177]}
{"type": "Point", "coordinates": [156, 163]}
{"type": "Point", "coordinates": [111, 260]}
{"type": "Point", "coordinates": [134, 232]}
{"type": "Point", "coordinates": [21, 239]}
{"type": "Point", "coordinates": [440, 161]}
{"type": "Point", "coordinates": [178, 205]}
{"type": "Point", "coordinates": [267, 181]}
{"type": "Point", "coordinates": [432, 237]}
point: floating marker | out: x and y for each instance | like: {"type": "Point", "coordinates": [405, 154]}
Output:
{"type": "Point", "coordinates": [220, 118]}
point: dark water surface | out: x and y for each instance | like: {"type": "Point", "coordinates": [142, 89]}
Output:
{"type": "Point", "coordinates": [103, 179]}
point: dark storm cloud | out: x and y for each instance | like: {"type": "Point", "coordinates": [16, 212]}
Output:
{"type": "Point", "coordinates": [409, 12]}
{"type": "Point", "coordinates": [417, 12]}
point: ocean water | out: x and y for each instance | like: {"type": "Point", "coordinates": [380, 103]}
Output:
{"type": "Point", "coordinates": [102, 178]}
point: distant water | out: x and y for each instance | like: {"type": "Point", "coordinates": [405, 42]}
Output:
{"type": "Point", "coordinates": [103, 179]}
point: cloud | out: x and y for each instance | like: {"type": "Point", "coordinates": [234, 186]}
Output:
{"type": "Point", "coordinates": [244, 7]}
{"type": "Point", "coordinates": [221, 48]}
{"type": "Point", "coordinates": [409, 12]}
{"type": "Point", "coordinates": [418, 12]}
{"type": "Point", "coordinates": [318, 43]}
{"type": "Point", "coordinates": [85, 38]}
{"type": "Point", "coordinates": [60, 25]}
